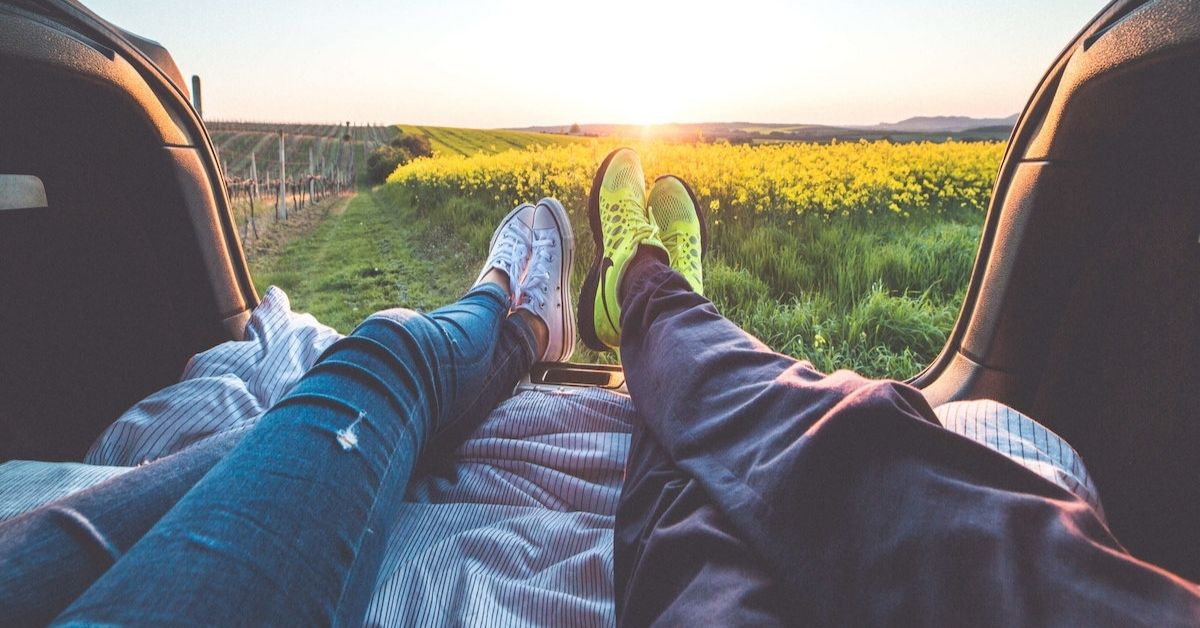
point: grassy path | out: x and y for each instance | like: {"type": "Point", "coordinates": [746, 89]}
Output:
{"type": "Point", "coordinates": [362, 260]}
{"type": "Point", "coordinates": [274, 236]}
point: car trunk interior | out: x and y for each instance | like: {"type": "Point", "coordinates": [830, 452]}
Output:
{"type": "Point", "coordinates": [104, 292]}
{"type": "Point", "coordinates": [1086, 314]}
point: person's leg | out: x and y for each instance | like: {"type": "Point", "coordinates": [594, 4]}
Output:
{"type": "Point", "coordinates": [845, 490]}
{"type": "Point", "coordinates": [854, 497]}
{"type": "Point", "coordinates": [58, 550]}
{"type": "Point", "coordinates": [288, 528]}
{"type": "Point", "coordinates": [542, 326]}
{"type": "Point", "coordinates": [272, 532]}
{"type": "Point", "coordinates": [676, 560]}
{"type": "Point", "coordinates": [516, 350]}
{"type": "Point", "coordinates": [55, 552]}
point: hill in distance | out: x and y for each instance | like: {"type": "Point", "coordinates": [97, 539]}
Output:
{"type": "Point", "coordinates": [926, 128]}
{"type": "Point", "coordinates": [464, 141]}
{"type": "Point", "coordinates": [456, 141]}
{"type": "Point", "coordinates": [945, 124]}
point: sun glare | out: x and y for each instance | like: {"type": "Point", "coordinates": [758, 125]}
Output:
{"type": "Point", "coordinates": [651, 112]}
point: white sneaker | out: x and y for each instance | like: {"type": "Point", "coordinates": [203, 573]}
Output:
{"type": "Point", "coordinates": [511, 248]}
{"type": "Point", "coordinates": [546, 290]}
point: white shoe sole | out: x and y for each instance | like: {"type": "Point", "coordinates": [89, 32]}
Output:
{"type": "Point", "coordinates": [568, 247]}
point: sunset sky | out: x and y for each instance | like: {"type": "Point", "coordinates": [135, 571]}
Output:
{"type": "Point", "coordinates": [480, 63]}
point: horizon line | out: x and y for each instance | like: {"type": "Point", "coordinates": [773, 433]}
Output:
{"type": "Point", "coordinates": [342, 122]}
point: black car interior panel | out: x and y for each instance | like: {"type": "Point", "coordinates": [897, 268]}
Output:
{"type": "Point", "coordinates": [128, 270]}
{"type": "Point", "coordinates": [1088, 300]}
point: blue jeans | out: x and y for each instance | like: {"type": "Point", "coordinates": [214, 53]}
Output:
{"type": "Point", "coordinates": [288, 528]}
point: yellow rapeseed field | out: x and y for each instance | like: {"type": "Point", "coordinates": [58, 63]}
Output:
{"type": "Point", "coordinates": [735, 182]}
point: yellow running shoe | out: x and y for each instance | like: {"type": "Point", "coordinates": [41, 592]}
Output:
{"type": "Point", "coordinates": [619, 223]}
{"type": "Point", "coordinates": [675, 212]}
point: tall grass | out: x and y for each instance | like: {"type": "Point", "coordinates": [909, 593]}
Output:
{"type": "Point", "coordinates": [877, 296]}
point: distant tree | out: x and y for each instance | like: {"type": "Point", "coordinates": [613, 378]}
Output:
{"type": "Point", "coordinates": [575, 130]}
{"type": "Point", "coordinates": [404, 148]}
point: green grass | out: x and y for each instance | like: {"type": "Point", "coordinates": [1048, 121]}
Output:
{"type": "Point", "coordinates": [876, 296]}
{"type": "Point", "coordinates": [361, 261]}
{"type": "Point", "coordinates": [452, 141]}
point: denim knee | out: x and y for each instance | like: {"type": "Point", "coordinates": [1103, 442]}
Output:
{"type": "Point", "coordinates": [402, 327]}
{"type": "Point", "coordinates": [399, 317]}
{"type": "Point", "coordinates": [461, 334]}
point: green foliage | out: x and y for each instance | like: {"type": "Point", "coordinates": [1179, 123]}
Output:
{"type": "Point", "coordinates": [876, 298]}
{"type": "Point", "coordinates": [416, 145]}
{"type": "Point", "coordinates": [403, 148]}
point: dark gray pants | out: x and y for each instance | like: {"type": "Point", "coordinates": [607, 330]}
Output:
{"type": "Point", "coordinates": [760, 492]}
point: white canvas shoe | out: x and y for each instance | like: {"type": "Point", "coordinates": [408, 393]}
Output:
{"type": "Point", "coordinates": [546, 290]}
{"type": "Point", "coordinates": [511, 248]}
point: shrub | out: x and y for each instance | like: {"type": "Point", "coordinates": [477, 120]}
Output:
{"type": "Point", "coordinates": [401, 150]}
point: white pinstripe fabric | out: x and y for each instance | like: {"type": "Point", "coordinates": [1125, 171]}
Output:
{"type": "Point", "coordinates": [27, 484]}
{"type": "Point", "coordinates": [516, 531]}
{"type": "Point", "coordinates": [226, 387]}
{"type": "Point", "coordinates": [1024, 440]}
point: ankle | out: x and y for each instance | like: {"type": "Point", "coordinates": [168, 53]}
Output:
{"type": "Point", "coordinates": [500, 278]}
{"type": "Point", "coordinates": [541, 333]}
{"type": "Point", "coordinates": [647, 259]}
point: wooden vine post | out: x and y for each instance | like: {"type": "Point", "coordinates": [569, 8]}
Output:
{"type": "Point", "coordinates": [281, 209]}
{"type": "Point", "coordinates": [251, 222]}
{"type": "Point", "coordinates": [312, 175]}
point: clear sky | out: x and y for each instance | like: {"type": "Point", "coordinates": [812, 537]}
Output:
{"type": "Point", "coordinates": [491, 63]}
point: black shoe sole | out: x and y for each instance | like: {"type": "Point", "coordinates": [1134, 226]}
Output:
{"type": "Point", "coordinates": [591, 283]}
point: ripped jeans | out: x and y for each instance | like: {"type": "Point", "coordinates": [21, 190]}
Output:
{"type": "Point", "coordinates": [288, 529]}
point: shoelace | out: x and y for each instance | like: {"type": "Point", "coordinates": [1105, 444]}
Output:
{"type": "Point", "coordinates": [674, 241]}
{"type": "Point", "coordinates": [678, 242]}
{"type": "Point", "coordinates": [537, 279]}
{"type": "Point", "coordinates": [513, 250]}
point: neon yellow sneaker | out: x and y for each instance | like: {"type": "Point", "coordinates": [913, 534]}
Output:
{"type": "Point", "coordinates": [619, 223]}
{"type": "Point", "coordinates": [674, 211]}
